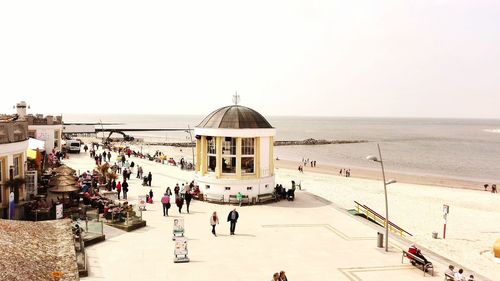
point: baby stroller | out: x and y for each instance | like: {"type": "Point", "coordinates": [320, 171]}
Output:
{"type": "Point", "coordinates": [290, 195]}
{"type": "Point", "coordinates": [144, 181]}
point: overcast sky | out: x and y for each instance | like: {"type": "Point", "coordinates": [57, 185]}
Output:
{"type": "Point", "coordinates": [336, 58]}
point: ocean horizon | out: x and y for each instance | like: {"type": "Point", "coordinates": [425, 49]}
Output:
{"type": "Point", "coordinates": [465, 149]}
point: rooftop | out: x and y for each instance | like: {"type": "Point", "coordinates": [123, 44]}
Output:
{"type": "Point", "coordinates": [235, 117]}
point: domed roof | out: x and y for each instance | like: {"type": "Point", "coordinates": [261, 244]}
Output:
{"type": "Point", "coordinates": [235, 117]}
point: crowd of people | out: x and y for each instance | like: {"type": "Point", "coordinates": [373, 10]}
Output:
{"type": "Point", "coordinates": [345, 173]}
{"type": "Point", "coordinates": [493, 188]}
{"type": "Point", "coordinates": [457, 275]}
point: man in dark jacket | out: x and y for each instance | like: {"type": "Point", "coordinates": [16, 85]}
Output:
{"type": "Point", "coordinates": [233, 218]}
{"type": "Point", "coordinates": [150, 178]}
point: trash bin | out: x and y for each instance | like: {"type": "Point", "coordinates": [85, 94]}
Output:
{"type": "Point", "coordinates": [380, 240]}
{"type": "Point", "coordinates": [434, 235]}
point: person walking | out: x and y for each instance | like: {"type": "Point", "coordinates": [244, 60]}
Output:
{"type": "Point", "coordinates": [138, 172]}
{"type": "Point", "coordinates": [109, 156]}
{"type": "Point", "coordinates": [165, 200]}
{"type": "Point", "coordinates": [233, 218]}
{"type": "Point", "coordinates": [168, 191]}
{"type": "Point", "coordinates": [179, 201]}
{"type": "Point", "coordinates": [150, 178]}
{"type": "Point", "coordinates": [119, 189]}
{"type": "Point", "coordinates": [214, 220]}
{"type": "Point", "coordinates": [125, 189]}
{"type": "Point", "coordinates": [151, 193]}
{"type": "Point", "coordinates": [188, 198]}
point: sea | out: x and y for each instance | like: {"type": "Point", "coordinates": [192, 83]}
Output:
{"type": "Point", "coordinates": [464, 149]}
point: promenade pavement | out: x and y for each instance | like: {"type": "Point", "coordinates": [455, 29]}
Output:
{"type": "Point", "coordinates": [309, 238]}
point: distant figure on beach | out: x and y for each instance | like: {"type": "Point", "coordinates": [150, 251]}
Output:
{"type": "Point", "coordinates": [232, 217]}
{"type": "Point", "coordinates": [471, 278]}
{"type": "Point", "coordinates": [340, 172]}
{"type": "Point", "coordinates": [493, 188]}
{"type": "Point", "coordinates": [486, 187]}
{"type": "Point", "coordinates": [276, 277]}
{"type": "Point", "coordinates": [214, 220]}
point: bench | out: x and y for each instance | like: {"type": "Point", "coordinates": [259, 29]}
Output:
{"type": "Point", "coordinates": [265, 197]}
{"type": "Point", "coordinates": [417, 262]}
{"type": "Point", "coordinates": [214, 197]}
{"type": "Point", "coordinates": [448, 277]}
{"type": "Point", "coordinates": [245, 199]}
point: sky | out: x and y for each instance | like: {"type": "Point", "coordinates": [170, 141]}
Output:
{"type": "Point", "coordinates": [362, 58]}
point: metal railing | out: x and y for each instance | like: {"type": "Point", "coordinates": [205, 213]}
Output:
{"type": "Point", "coordinates": [379, 219]}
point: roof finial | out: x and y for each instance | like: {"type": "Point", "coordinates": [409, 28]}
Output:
{"type": "Point", "coordinates": [236, 98]}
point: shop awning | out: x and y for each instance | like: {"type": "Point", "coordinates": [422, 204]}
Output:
{"type": "Point", "coordinates": [33, 144]}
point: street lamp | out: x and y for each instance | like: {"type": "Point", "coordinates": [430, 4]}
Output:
{"type": "Point", "coordinates": [386, 183]}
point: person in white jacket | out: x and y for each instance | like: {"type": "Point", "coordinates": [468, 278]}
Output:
{"type": "Point", "coordinates": [214, 220]}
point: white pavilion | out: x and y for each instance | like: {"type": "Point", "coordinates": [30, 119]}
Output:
{"type": "Point", "coordinates": [234, 153]}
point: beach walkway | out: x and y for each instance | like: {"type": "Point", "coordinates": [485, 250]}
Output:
{"type": "Point", "coordinates": [310, 238]}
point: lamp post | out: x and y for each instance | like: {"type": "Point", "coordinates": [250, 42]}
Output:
{"type": "Point", "coordinates": [191, 138]}
{"type": "Point", "coordinates": [379, 160]}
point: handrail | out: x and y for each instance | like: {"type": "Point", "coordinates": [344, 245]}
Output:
{"type": "Point", "coordinates": [375, 216]}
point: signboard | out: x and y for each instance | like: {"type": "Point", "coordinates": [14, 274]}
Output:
{"type": "Point", "coordinates": [141, 199]}
{"type": "Point", "coordinates": [59, 211]}
{"type": "Point", "coordinates": [178, 226]}
{"type": "Point", "coordinates": [181, 250]}
{"type": "Point", "coordinates": [181, 246]}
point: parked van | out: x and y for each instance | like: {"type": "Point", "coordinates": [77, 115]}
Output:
{"type": "Point", "coordinates": [73, 146]}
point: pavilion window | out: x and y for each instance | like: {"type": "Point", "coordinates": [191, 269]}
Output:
{"type": "Point", "coordinates": [17, 165]}
{"type": "Point", "coordinates": [247, 155]}
{"type": "Point", "coordinates": [211, 152]}
{"type": "Point", "coordinates": [229, 155]}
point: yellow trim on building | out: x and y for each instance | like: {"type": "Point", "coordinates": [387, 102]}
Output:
{"type": "Point", "coordinates": [238, 158]}
{"type": "Point", "coordinates": [271, 156]}
{"type": "Point", "coordinates": [203, 155]}
{"type": "Point", "coordinates": [198, 156]}
{"type": "Point", "coordinates": [218, 155]}
{"type": "Point", "coordinates": [4, 178]}
{"type": "Point", "coordinates": [257, 157]}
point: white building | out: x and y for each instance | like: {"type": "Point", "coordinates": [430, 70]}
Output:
{"type": "Point", "coordinates": [48, 128]}
{"type": "Point", "coordinates": [234, 153]}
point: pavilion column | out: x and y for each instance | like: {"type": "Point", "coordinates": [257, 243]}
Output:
{"type": "Point", "coordinates": [218, 149]}
{"type": "Point", "coordinates": [271, 156]}
{"type": "Point", "coordinates": [198, 155]}
{"type": "Point", "coordinates": [203, 155]}
{"type": "Point", "coordinates": [238, 158]}
{"type": "Point", "coordinates": [257, 157]}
